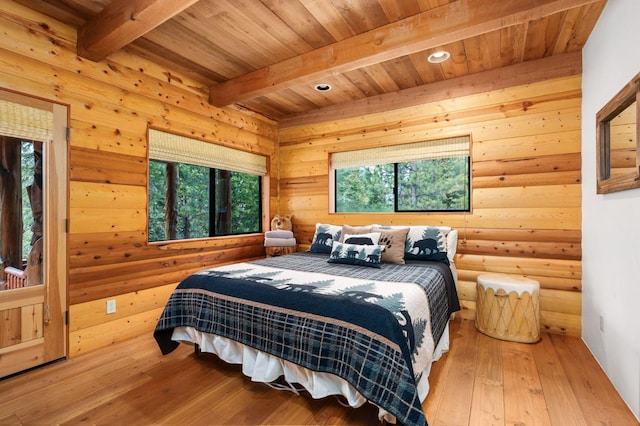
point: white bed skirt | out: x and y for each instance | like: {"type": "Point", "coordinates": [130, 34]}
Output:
{"type": "Point", "coordinates": [265, 368]}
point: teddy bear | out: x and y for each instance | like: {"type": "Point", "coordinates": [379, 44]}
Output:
{"type": "Point", "coordinates": [281, 223]}
{"type": "Point", "coordinates": [280, 239]}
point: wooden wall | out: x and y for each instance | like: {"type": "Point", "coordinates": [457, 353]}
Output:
{"type": "Point", "coordinates": [111, 105]}
{"type": "Point", "coordinates": [526, 196]}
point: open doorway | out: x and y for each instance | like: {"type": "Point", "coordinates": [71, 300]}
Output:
{"type": "Point", "coordinates": [33, 200]}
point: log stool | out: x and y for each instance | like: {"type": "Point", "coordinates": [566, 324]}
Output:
{"type": "Point", "coordinates": [279, 251]}
{"type": "Point", "coordinates": [279, 243]}
{"type": "Point", "coordinates": [508, 307]}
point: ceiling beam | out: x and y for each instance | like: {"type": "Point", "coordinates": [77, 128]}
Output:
{"type": "Point", "coordinates": [123, 21]}
{"type": "Point", "coordinates": [551, 67]}
{"type": "Point", "coordinates": [431, 29]}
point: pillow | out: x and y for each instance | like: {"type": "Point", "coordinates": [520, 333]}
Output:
{"type": "Point", "coordinates": [371, 238]}
{"type": "Point", "coordinates": [452, 244]}
{"type": "Point", "coordinates": [354, 254]}
{"type": "Point", "coordinates": [324, 237]}
{"type": "Point", "coordinates": [393, 239]}
{"type": "Point", "coordinates": [353, 230]}
{"type": "Point", "coordinates": [426, 243]}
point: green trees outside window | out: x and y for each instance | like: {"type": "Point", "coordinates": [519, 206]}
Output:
{"type": "Point", "coordinates": [365, 189]}
{"type": "Point", "coordinates": [28, 165]}
{"type": "Point", "coordinates": [434, 185]}
{"type": "Point", "coordinates": [188, 201]}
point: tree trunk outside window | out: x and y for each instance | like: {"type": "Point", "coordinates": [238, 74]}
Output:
{"type": "Point", "coordinates": [35, 259]}
{"type": "Point", "coordinates": [10, 203]}
{"type": "Point", "coordinates": [171, 209]}
{"type": "Point", "coordinates": [223, 202]}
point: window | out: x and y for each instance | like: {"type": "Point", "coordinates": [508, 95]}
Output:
{"type": "Point", "coordinates": [431, 176]}
{"type": "Point", "coordinates": [25, 132]}
{"type": "Point", "coordinates": [199, 190]}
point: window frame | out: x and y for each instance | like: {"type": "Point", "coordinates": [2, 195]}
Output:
{"type": "Point", "coordinates": [262, 177]}
{"type": "Point", "coordinates": [333, 193]}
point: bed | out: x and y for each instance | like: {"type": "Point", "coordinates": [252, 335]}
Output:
{"type": "Point", "coordinates": [336, 320]}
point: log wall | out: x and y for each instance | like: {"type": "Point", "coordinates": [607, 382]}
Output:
{"type": "Point", "coordinates": [111, 105]}
{"type": "Point", "coordinates": [526, 182]}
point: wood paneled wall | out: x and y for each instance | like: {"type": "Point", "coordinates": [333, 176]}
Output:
{"type": "Point", "coordinates": [111, 105]}
{"type": "Point", "coordinates": [526, 196]}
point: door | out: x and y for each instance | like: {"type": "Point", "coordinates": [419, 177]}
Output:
{"type": "Point", "coordinates": [33, 211]}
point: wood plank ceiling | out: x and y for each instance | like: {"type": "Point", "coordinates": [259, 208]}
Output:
{"type": "Point", "coordinates": [268, 55]}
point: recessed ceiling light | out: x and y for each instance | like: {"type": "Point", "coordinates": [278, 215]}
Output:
{"type": "Point", "coordinates": [323, 87]}
{"type": "Point", "coordinates": [438, 57]}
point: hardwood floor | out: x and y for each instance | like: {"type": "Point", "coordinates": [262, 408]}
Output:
{"type": "Point", "coordinates": [481, 381]}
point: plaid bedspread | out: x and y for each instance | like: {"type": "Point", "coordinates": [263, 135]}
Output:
{"type": "Point", "coordinates": [372, 327]}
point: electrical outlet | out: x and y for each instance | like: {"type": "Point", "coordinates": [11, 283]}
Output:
{"type": "Point", "coordinates": [601, 323]}
{"type": "Point", "coordinates": [111, 306]}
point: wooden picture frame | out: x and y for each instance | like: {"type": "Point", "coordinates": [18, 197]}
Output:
{"type": "Point", "coordinates": [617, 136]}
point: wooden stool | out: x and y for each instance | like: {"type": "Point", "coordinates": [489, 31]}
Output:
{"type": "Point", "coordinates": [279, 251]}
{"type": "Point", "coordinates": [508, 307]}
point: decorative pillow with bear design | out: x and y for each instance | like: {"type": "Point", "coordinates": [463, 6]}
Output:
{"type": "Point", "coordinates": [355, 254]}
{"type": "Point", "coordinates": [324, 237]}
{"type": "Point", "coordinates": [394, 241]}
{"type": "Point", "coordinates": [426, 243]}
{"type": "Point", "coordinates": [371, 238]}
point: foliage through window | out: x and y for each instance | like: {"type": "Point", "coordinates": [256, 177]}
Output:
{"type": "Point", "coordinates": [209, 202]}
{"type": "Point", "coordinates": [191, 199]}
{"type": "Point", "coordinates": [28, 174]}
{"type": "Point", "coordinates": [427, 176]}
